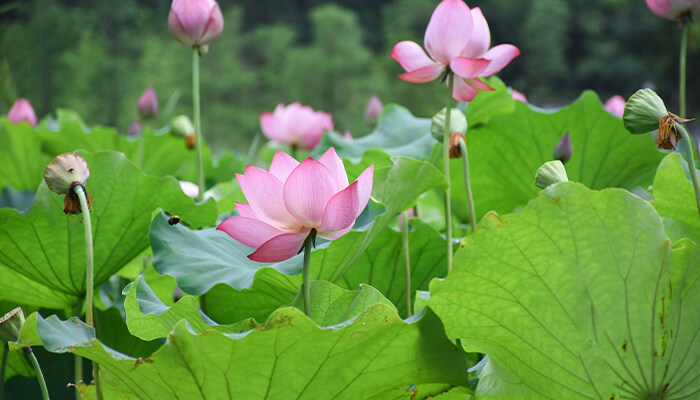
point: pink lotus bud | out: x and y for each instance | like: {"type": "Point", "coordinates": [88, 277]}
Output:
{"type": "Point", "coordinates": [373, 109]}
{"type": "Point", "coordinates": [148, 103]}
{"type": "Point", "coordinates": [195, 22]}
{"type": "Point", "coordinates": [347, 136]}
{"type": "Point", "coordinates": [296, 125]}
{"type": "Point", "coordinates": [676, 10]}
{"type": "Point", "coordinates": [22, 111]}
{"type": "Point", "coordinates": [616, 105]}
{"type": "Point", "coordinates": [518, 96]}
{"type": "Point", "coordinates": [135, 128]}
{"type": "Point", "coordinates": [190, 189]}
{"type": "Point", "coordinates": [292, 200]}
{"type": "Point", "coordinates": [563, 149]}
{"type": "Point", "coordinates": [457, 39]}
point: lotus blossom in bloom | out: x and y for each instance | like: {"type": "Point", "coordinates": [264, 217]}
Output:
{"type": "Point", "coordinates": [457, 39]}
{"type": "Point", "coordinates": [195, 22]}
{"type": "Point", "coordinates": [296, 125]}
{"type": "Point", "coordinates": [676, 10]}
{"type": "Point", "coordinates": [292, 199]}
{"type": "Point", "coordinates": [148, 103]}
{"type": "Point", "coordinates": [616, 105]}
{"type": "Point", "coordinates": [22, 111]}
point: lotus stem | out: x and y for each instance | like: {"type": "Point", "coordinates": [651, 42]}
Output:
{"type": "Point", "coordinates": [687, 148]}
{"type": "Point", "coordinates": [77, 373]}
{"type": "Point", "coordinates": [406, 264]}
{"type": "Point", "coordinates": [467, 185]}
{"type": "Point", "coordinates": [683, 56]}
{"type": "Point", "coordinates": [3, 367]}
{"type": "Point", "coordinates": [446, 170]}
{"type": "Point", "coordinates": [197, 122]}
{"type": "Point", "coordinates": [39, 376]}
{"type": "Point", "coordinates": [306, 275]}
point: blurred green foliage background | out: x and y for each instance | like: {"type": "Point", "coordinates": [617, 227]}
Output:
{"type": "Point", "coordinates": [97, 57]}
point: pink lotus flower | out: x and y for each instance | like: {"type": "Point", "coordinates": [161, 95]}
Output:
{"type": "Point", "coordinates": [296, 125]}
{"type": "Point", "coordinates": [676, 10]}
{"type": "Point", "coordinates": [195, 22]}
{"type": "Point", "coordinates": [347, 136]}
{"type": "Point", "coordinates": [457, 39]}
{"type": "Point", "coordinates": [22, 111]}
{"type": "Point", "coordinates": [616, 105]}
{"type": "Point", "coordinates": [148, 103]}
{"type": "Point", "coordinates": [373, 109]}
{"type": "Point", "coordinates": [290, 200]}
{"type": "Point", "coordinates": [518, 96]}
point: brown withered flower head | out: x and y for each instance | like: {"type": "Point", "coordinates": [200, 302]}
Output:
{"type": "Point", "coordinates": [66, 172]}
{"type": "Point", "coordinates": [668, 134]}
{"type": "Point", "coordinates": [455, 150]}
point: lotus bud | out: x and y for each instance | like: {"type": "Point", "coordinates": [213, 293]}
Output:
{"type": "Point", "coordinates": [148, 104]}
{"type": "Point", "coordinates": [347, 136]}
{"type": "Point", "coordinates": [645, 111]}
{"type": "Point", "coordinates": [455, 150]}
{"type": "Point", "coordinates": [181, 126]}
{"type": "Point", "coordinates": [10, 324]}
{"type": "Point", "coordinates": [177, 294]}
{"type": "Point", "coordinates": [616, 105]}
{"type": "Point", "coordinates": [189, 188]}
{"type": "Point", "coordinates": [518, 96]}
{"type": "Point", "coordinates": [458, 123]}
{"type": "Point", "coordinates": [190, 141]}
{"type": "Point", "coordinates": [676, 10]}
{"type": "Point", "coordinates": [373, 109]}
{"type": "Point", "coordinates": [563, 150]}
{"type": "Point", "coordinates": [22, 111]}
{"type": "Point", "coordinates": [550, 173]}
{"type": "Point", "coordinates": [195, 22]}
{"type": "Point", "coordinates": [135, 128]}
{"type": "Point", "coordinates": [63, 174]}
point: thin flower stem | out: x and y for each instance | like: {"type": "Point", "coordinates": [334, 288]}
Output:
{"type": "Point", "coordinates": [3, 366]}
{"type": "Point", "coordinates": [252, 149]}
{"type": "Point", "coordinates": [77, 373]}
{"type": "Point", "coordinates": [139, 154]}
{"type": "Point", "coordinates": [197, 122]}
{"type": "Point", "coordinates": [39, 376]}
{"type": "Point", "coordinates": [687, 147]}
{"type": "Point", "coordinates": [467, 186]}
{"type": "Point", "coordinates": [446, 169]}
{"type": "Point", "coordinates": [406, 264]}
{"type": "Point", "coordinates": [681, 83]}
{"type": "Point", "coordinates": [306, 276]}
{"type": "Point", "coordinates": [89, 277]}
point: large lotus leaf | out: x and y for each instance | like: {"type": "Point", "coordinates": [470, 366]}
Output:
{"type": "Point", "coordinates": [576, 296]}
{"type": "Point", "coordinates": [331, 304]}
{"type": "Point", "coordinates": [200, 259]}
{"type": "Point", "coordinates": [148, 318]}
{"type": "Point", "coordinates": [67, 133]}
{"type": "Point", "coordinates": [16, 365]}
{"type": "Point", "coordinates": [289, 356]}
{"type": "Point", "coordinates": [382, 264]}
{"type": "Point", "coordinates": [505, 153]}
{"type": "Point", "coordinates": [47, 247]}
{"type": "Point", "coordinates": [19, 200]}
{"type": "Point", "coordinates": [674, 199]}
{"type": "Point", "coordinates": [23, 162]}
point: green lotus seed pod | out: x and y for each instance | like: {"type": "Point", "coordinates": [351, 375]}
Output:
{"type": "Point", "coordinates": [643, 111]}
{"type": "Point", "coordinates": [10, 325]}
{"type": "Point", "coordinates": [458, 123]}
{"type": "Point", "coordinates": [550, 173]}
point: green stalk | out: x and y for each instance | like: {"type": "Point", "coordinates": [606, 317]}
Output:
{"type": "Point", "coordinates": [77, 373]}
{"type": "Point", "coordinates": [446, 169]}
{"type": "Point", "coordinates": [684, 52]}
{"type": "Point", "coordinates": [406, 264]}
{"type": "Point", "coordinates": [306, 275]}
{"type": "Point", "coordinates": [252, 149]}
{"type": "Point", "coordinates": [139, 154]}
{"type": "Point", "coordinates": [197, 122]}
{"type": "Point", "coordinates": [3, 366]}
{"type": "Point", "coordinates": [39, 376]}
{"type": "Point", "coordinates": [89, 277]}
{"type": "Point", "coordinates": [687, 148]}
{"type": "Point", "coordinates": [467, 186]}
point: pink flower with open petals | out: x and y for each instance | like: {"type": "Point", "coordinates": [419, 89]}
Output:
{"type": "Point", "coordinates": [22, 111]}
{"type": "Point", "coordinates": [296, 125]}
{"type": "Point", "coordinates": [616, 105]}
{"type": "Point", "coordinates": [293, 198]}
{"type": "Point", "coordinates": [676, 10]}
{"type": "Point", "coordinates": [457, 39]}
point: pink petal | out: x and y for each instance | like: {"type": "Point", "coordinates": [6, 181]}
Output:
{"type": "Point", "coordinates": [244, 210]}
{"type": "Point", "coordinates": [269, 126]}
{"type": "Point", "coordinates": [341, 210]}
{"type": "Point", "coordinates": [280, 248]}
{"type": "Point", "coordinates": [214, 26]}
{"type": "Point", "coordinates": [411, 56]}
{"type": "Point", "coordinates": [21, 111]}
{"type": "Point", "coordinates": [662, 8]}
{"type": "Point", "coordinates": [461, 91]}
{"type": "Point", "coordinates": [448, 31]}
{"type": "Point", "coordinates": [176, 28]}
{"type": "Point", "coordinates": [335, 234]}
{"type": "Point", "coordinates": [307, 191]}
{"type": "Point", "coordinates": [469, 67]}
{"type": "Point", "coordinates": [264, 193]}
{"type": "Point", "coordinates": [616, 105]}
{"type": "Point", "coordinates": [364, 188]}
{"type": "Point", "coordinates": [251, 232]}
{"type": "Point", "coordinates": [478, 84]}
{"type": "Point", "coordinates": [500, 56]}
{"type": "Point", "coordinates": [480, 38]}
{"type": "Point", "coordinates": [423, 75]}
{"type": "Point", "coordinates": [331, 160]}
{"type": "Point", "coordinates": [321, 123]}
{"type": "Point", "coordinates": [282, 165]}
